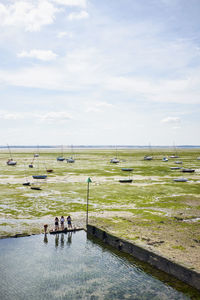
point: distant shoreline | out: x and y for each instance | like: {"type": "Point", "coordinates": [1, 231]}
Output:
{"type": "Point", "coordinates": [100, 147]}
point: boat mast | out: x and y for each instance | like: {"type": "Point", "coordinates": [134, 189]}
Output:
{"type": "Point", "coordinates": [9, 152]}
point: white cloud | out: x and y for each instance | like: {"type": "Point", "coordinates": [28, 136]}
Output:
{"type": "Point", "coordinates": [27, 14]}
{"type": "Point", "coordinates": [5, 115]}
{"type": "Point", "coordinates": [98, 106]}
{"type": "Point", "coordinates": [60, 116]}
{"type": "Point", "coordinates": [64, 34]}
{"type": "Point", "coordinates": [78, 16]}
{"type": "Point", "coordinates": [80, 3]}
{"type": "Point", "coordinates": [171, 120]}
{"type": "Point", "coordinates": [50, 117]}
{"type": "Point", "coordinates": [44, 55]}
{"type": "Point", "coordinates": [184, 90]}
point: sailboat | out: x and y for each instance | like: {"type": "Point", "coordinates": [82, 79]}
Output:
{"type": "Point", "coordinates": [31, 164]}
{"type": "Point", "coordinates": [10, 161]}
{"type": "Point", "coordinates": [61, 158]}
{"type": "Point", "coordinates": [27, 182]}
{"type": "Point", "coordinates": [37, 185]}
{"type": "Point", "coordinates": [71, 159]}
{"type": "Point", "coordinates": [115, 160]}
{"type": "Point", "coordinates": [149, 157]}
{"type": "Point", "coordinates": [175, 155]}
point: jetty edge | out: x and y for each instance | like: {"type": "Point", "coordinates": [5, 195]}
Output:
{"type": "Point", "coordinates": [65, 230]}
{"type": "Point", "coordinates": [162, 263]}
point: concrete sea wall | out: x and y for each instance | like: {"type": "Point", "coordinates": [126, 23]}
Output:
{"type": "Point", "coordinates": [181, 272]}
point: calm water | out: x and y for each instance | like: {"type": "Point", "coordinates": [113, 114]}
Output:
{"type": "Point", "coordinates": [69, 266]}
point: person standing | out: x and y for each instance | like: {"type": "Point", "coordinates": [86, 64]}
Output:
{"type": "Point", "coordinates": [56, 224]}
{"type": "Point", "coordinates": [62, 222]}
{"type": "Point", "coordinates": [69, 222]}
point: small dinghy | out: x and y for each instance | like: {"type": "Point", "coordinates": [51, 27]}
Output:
{"type": "Point", "coordinates": [70, 160]}
{"type": "Point", "coordinates": [148, 157]}
{"type": "Point", "coordinates": [126, 180]}
{"type": "Point", "coordinates": [26, 183]}
{"type": "Point", "coordinates": [188, 170]}
{"type": "Point", "coordinates": [178, 162]}
{"type": "Point", "coordinates": [127, 169]}
{"type": "Point", "coordinates": [37, 188]}
{"type": "Point", "coordinates": [39, 176]}
{"type": "Point", "coordinates": [180, 179]}
{"type": "Point", "coordinates": [165, 159]}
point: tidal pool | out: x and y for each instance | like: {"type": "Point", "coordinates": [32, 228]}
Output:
{"type": "Point", "coordinates": [71, 266]}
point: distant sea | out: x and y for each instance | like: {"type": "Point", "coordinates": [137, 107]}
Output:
{"type": "Point", "coordinates": [99, 147]}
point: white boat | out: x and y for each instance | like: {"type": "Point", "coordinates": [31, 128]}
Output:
{"type": "Point", "coordinates": [114, 161]}
{"type": "Point", "coordinates": [10, 161]}
{"type": "Point", "coordinates": [178, 162]}
{"type": "Point", "coordinates": [147, 157]}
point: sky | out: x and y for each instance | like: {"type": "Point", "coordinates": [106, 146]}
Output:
{"type": "Point", "coordinates": [99, 72]}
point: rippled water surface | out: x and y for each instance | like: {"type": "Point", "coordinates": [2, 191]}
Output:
{"type": "Point", "coordinates": [70, 266]}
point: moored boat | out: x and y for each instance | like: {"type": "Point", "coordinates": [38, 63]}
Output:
{"type": "Point", "coordinates": [114, 161]}
{"type": "Point", "coordinates": [126, 180]}
{"type": "Point", "coordinates": [60, 158]}
{"type": "Point", "coordinates": [70, 160]}
{"type": "Point", "coordinates": [146, 157]}
{"type": "Point", "coordinates": [11, 162]}
{"type": "Point", "coordinates": [39, 176]}
{"type": "Point", "coordinates": [165, 159]}
{"type": "Point", "coordinates": [127, 169]}
{"type": "Point", "coordinates": [188, 170]}
{"type": "Point", "coordinates": [180, 179]}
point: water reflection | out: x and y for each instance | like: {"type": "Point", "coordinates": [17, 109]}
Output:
{"type": "Point", "coordinates": [69, 239]}
{"type": "Point", "coordinates": [45, 238]}
{"type": "Point", "coordinates": [60, 239]}
{"type": "Point", "coordinates": [56, 240]}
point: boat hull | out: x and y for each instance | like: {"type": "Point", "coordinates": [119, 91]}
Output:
{"type": "Point", "coordinates": [126, 180]}
{"type": "Point", "coordinates": [188, 170]}
{"type": "Point", "coordinates": [39, 176]}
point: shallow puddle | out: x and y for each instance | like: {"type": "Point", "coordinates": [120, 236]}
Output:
{"type": "Point", "coordinates": [71, 266]}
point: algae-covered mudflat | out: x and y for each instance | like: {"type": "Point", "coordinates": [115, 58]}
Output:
{"type": "Point", "coordinates": [153, 210]}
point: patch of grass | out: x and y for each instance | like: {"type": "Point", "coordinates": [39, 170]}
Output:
{"type": "Point", "coordinates": [179, 248]}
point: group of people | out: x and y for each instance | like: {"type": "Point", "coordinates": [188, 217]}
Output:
{"type": "Point", "coordinates": [62, 223]}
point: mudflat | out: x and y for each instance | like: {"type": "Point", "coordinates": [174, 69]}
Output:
{"type": "Point", "coordinates": [153, 210]}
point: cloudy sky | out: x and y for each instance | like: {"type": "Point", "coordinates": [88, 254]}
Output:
{"type": "Point", "coordinates": [99, 72]}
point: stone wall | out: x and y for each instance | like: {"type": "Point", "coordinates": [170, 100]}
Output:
{"type": "Point", "coordinates": [182, 273]}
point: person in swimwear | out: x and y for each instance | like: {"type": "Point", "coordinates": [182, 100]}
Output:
{"type": "Point", "coordinates": [56, 224]}
{"type": "Point", "coordinates": [62, 221]}
{"type": "Point", "coordinates": [69, 222]}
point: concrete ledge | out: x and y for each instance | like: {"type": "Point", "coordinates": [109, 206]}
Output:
{"type": "Point", "coordinates": [182, 273]}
